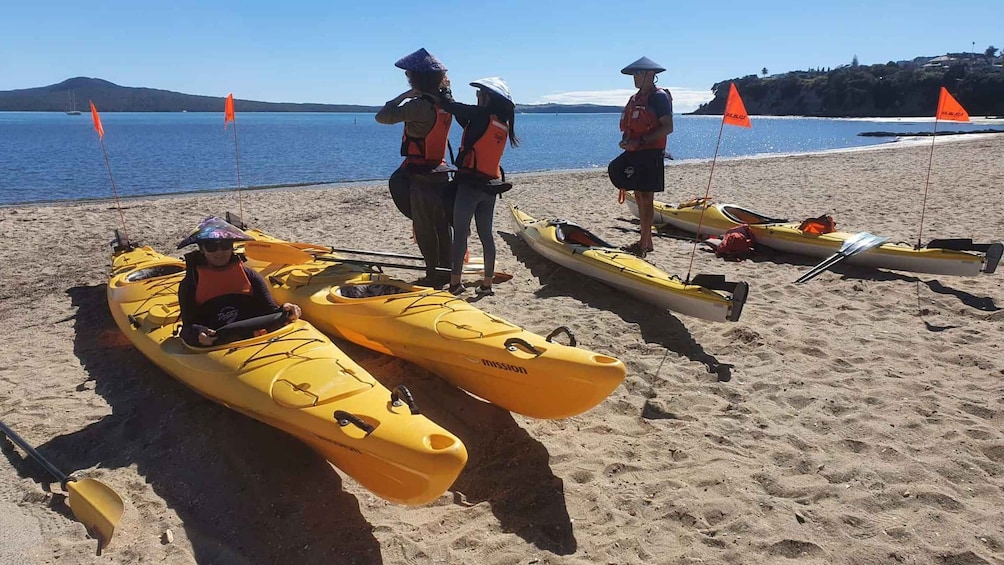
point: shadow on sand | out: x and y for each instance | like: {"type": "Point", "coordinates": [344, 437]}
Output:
{"type": "Point", "coordinates": [656, 326]}
{"type": "Point", "coordinates": [245, 492]}
{"type": "Point", "coordinates": [506, 467]}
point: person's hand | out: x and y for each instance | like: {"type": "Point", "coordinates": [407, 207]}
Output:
{"type": "Point", "coordinates": [207, 337]}
{"type": "Point", "coordinates": [292, 311]}
{"type": "Point", "coordinates": [631, 143]}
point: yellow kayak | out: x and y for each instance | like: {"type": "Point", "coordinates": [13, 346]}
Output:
{"type": "Point", "coordinates": [958, 257]}
{"type": "Point", "coordinates": [476, 351]}
{"type": "Point", "coordinates": [572, 246]}
{"type": "Point", "coordinates": [294, 379]}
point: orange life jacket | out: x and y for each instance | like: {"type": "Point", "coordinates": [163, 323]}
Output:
{"type": "Point", "coordinates": [485, 154]}
{"type": "Point", "coordinates": [219, 282]}
{"type": "Point", "coordinates": [820, 225]}
{"type": "Point", "coordinates": [639, 119]}
{"type": "Point", "coordinates": [429, 151]}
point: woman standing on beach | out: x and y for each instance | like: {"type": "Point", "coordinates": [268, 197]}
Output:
{"type": "Point", "coordinates": [479, 176]}
{"type": "Point", "coordinates": [647, 120]}
{"type": "Point", "coordinates": [421, 184]}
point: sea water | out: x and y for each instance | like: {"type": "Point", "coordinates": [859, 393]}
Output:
{"type": "Point", "coordinates": [54, 156]}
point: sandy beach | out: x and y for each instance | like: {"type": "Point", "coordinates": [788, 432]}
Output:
{"type": "Point", "coordinates": [857, 419]}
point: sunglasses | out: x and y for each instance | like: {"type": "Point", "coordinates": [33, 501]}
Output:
{"type": "Point", "coordinates": [218, 246]}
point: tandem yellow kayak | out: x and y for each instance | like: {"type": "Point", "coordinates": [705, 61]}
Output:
{"type": "Point", "coordinates": [294, 379]}
{"type": "Point", "coordinates": [571, 246]}
{"type": "Point", "coordinates": [483, 354]}
{"type": "Point", "coordinates": [958, 257]}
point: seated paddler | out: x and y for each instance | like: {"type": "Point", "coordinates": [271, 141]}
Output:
{"type": "Point", "coordinates": [219, 290]}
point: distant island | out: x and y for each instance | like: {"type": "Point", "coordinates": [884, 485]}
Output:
{"type": "Point", "coordinates": [110, 97]}
{"type": "Point", "coordinates": [895, 89]}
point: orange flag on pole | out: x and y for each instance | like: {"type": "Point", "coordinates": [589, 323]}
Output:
{"type": "Point", "coordinates": [228, 115]}
{"type": "Point", "coordinates": [735, 110]}
{"type": "Point", "coordinates": [97, 122]}
{"type": "Point", "coordinates": [950, 109]}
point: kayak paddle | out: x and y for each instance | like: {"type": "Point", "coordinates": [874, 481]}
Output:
{"type": "Point", "coordinates": [852, 246]}
{"type": "Point", "coordinates": [286, 254]}
{"type": "Point", "coordinates": [94, 504]}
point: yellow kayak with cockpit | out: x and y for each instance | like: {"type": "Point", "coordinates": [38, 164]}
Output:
{"type": "Point", "coordinates": [481, 353]}
{"type": "Point", "coordinates": [958, 257]}
{"type": "Point", "coordinates": [293, 379]}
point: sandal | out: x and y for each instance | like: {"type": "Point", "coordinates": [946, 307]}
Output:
{"type": "Point", "coordinates": [635, 249]}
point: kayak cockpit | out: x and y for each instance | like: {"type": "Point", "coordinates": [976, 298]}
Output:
{"type": "Point", "coordinates": [745, 216]}
{"type": "Point", "coordinates": [574, 234]}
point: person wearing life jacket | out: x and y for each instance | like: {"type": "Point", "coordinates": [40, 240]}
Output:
{"type": "Point", "coordinates": [645, 123]}
{"type": "Point", "coordinates": [487, 128]}
{"type": "Point", "coordinates": [421, 187]}
{"type": "Point", "coordinates": [218, 289]}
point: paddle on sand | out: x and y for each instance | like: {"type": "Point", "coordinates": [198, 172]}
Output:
{"type": "Point", "coordinates": [94, 504]}
{"type": "Point", "coordinates": [275, 252]}
{"type": "Point", "coordinates": [852, 246]}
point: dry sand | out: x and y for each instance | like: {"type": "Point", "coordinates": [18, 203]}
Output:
{"type": "Point", "coordinates": [855, 419]}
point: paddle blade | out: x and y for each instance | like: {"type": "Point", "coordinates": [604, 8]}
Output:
{"type": "Point", "coordinates": [96, 506]}
{"type": "Point", "coordinates": [273, 252]}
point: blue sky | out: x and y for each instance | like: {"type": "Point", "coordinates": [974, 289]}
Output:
{"type": "Point", "coordinates": [333, 51]}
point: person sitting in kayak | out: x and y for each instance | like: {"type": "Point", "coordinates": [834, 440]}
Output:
{"type": "Point", "coordinates": [218, 289]}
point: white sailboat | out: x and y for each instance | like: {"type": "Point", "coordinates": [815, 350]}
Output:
{"type": "Point", "coordinates": [73, 105]}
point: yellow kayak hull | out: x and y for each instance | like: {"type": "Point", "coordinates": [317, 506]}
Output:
{"type": "Point", "coordinates": [629, 273]}
{"type": "Point", "coordinates": [294, 379]}
{"type": "Point", "coordinates": [786, 237]}
{"type": "Point", "coordinates": [483, 354]}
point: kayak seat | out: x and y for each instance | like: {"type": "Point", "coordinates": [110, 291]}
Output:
{"type": "Point", "coordinates": [577, 235]}
{"type": "Point", "coordinates": [369, 290]}
{"type": "Point", "coordinates": [155, 271]}
{"type": "Point", "coordinates": [744, 216]}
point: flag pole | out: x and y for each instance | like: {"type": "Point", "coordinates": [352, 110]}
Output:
{"type": "Point", "coordinates": [734, 114]}
{"type": "Point", "coordinates": [707, 195]}
{"type": "Point", "coordinates": [231, 116]}
{"type": "Point", "coordinates": [927, 184]}
{"type": "Point", "coordinates": [101, 139]}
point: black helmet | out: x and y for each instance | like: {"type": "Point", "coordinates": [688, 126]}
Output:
{"type": "Point", "coordinates": [643, 64]}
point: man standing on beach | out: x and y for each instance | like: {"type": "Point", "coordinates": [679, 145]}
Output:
{"type": "Point", "coordinates": [647, 120]}
{"type": "Point", "coordinates": [420, 186]}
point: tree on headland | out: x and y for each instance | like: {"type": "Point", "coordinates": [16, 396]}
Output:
{"type": "Point", "coordinates": [763, 71]}
{"type": "Point", "coordinates": [991, 52]}
{"type": "Point", "coordinates": [854, 61]}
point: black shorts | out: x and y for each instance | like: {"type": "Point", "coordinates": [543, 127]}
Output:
{"type": "Point", "coordinates": [642, 171]}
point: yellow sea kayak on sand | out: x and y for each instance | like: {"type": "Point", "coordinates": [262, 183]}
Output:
{"type": "Point", "coordinates": [572, 246]}
{"type": "Point", "coordinates": [294, 379]}
{"type": "Point", "coordinates": [958, 257]}
{"type": "Point", "coordinates": [476, 351]}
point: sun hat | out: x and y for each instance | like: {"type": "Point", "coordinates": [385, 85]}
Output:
{"type": "Point", "coordinates": [213, 228]}
{"type": "Point", "coordinates": [420, 61]}
{"type": "Point", "coordinates": [643, 64]}
{"type": "Point", "coordinates": [494, 84]}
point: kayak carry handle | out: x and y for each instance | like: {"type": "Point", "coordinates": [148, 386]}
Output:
{"type": "Point", "coordinates": [512, 342]}
{"type": "Point", "coordinates": [345, 418]}
{"type": "Point", "coordinates": [562, 330]}
{"type": "Point", "coordinates": [134, 321]}
{"type": "Point", "coordinates": [401, 393]}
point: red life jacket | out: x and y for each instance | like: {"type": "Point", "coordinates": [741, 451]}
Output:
{"type": "Point", "coordinates": [485, 154]}
{"type": "Point", "coordinates": [429, 151]}
{"type": "Point", "coordinates": [639, 119]}
{"type": "Point", "coordinates": [214, 282]}
{"type": "Point", "coordinates": [737, 244]}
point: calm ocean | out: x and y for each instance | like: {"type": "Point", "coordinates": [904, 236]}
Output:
{"type": "Point", "coordinates": [53, 156]}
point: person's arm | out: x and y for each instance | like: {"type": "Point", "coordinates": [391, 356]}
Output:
{"type": "Point", "coordinates": [464, 113]}
{"type": "Point", "coordinates": [393, 112]}
{"type": "Point", "coordinates": [259, 288]}
{"type": "Point", "coordinates": [192, 333]}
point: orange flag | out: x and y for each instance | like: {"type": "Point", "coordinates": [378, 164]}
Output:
{"type": "Point", "coordinates": [950, 109]}
{"type": "Point", "coordinates": [228, 115]}
{"type": "Point", "coordinates": [97, 122]}
{"type": "Point", "coordinates": [735, 110]}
